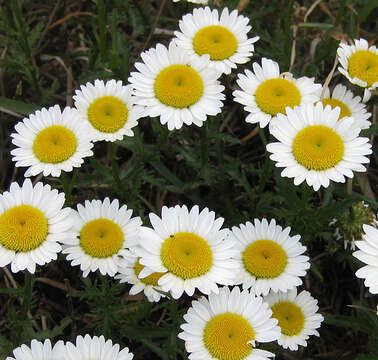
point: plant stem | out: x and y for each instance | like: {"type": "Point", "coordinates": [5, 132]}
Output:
{"type": "Point", "coordinates": [115, 170]}
{"type": "Point", "coordinates": [262, 137]}
{"type": "Point", "coordinates": [28, 293]}
{"type": "Point", "coordinates": [101, 24]}
{"type": "Point", "coordinates": [67, 183]}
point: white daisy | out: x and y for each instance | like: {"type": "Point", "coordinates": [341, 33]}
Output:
{"type": "Point", "coordinates": [314, 145]}
{"type": "Point", "coordinates": [39, 351]}
{"type": "Point", "coordinates": [359, 63]}
{"type": "Point", "coordinates": [89, 348]}
{"type": "Point", "coordinates": [223, 37]}
{"type": "Point", "coordinates": [191, 248]}
{"type": "Point", "coordinates": [129, 269]}
{"type": "Point", "coordinates": [297, 317]}
{"type": "Point", "coordinates": [227, 325]}
{"type": "Point", "coordinates": [102, 231]}
{"type": "Point", "coordinates": [32, 222]}
{"type": "Point", "coordinates": [50, 141]}
{"type": "Point", "coordinates": [349, 105]}
{"type": "Point", "coordinates": [108, 109]}
{"type": "Point", "coordinates": [368, 254]}
{"type": "Point", "coordinates": [265, 93]}
{"type": "Point", "coordinates": [175, 88]}
{"type": "Point", "coordinates": [269, 258]}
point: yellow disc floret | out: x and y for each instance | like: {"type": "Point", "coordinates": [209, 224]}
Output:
{"type": "Point", "coordinates": [54, 144]}
{"type": "Point", "coordinates": [150, 279]}
{"type": "Point", "coordinates": [273, 95]}
{"type": "Point", "coordinates": [318, 147]}
{"type": "Point", "coordinates": [216, 41]}
{"type": "Point", "coordinates": [226, 337]}
{"type": "Point", "coordinates": [23, 228]}
{"type": "Point", "coordinates": [107, 114]}
{"type": "Point", "coordinates": [101, 238]}
{"type": "Point", "coordinates": [290, 317]}
{"type": "Point", "coordinates": [363, 64]}
{"type": "Point", "coordinates": [186, 255]}
{"type": "Point", "coordinates": [264, 259]}
{"type": "Point", "coordinates": [344, 109]}
{"type": "Point", "coordinates": [178, 86]}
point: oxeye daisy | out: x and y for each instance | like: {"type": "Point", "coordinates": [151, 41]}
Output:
{"type": "Point", "coordinates": [350, 105]}
{"type": "Point", "coordinates": [190, 248]}
{"type": "Point", "coordinates": [102, 231]}
{"type": "Point", "coordinates": [32, 221]}
{"type": "Point", "coordinates": [129, 269]}
{"type": "Point", "coordinates": [270, 259]}
{"type": "Point", "coordinates": [39, 351]}
{"type": "Point", "coordinates": [223, 37]}
{"type": "Point", "coordinates": [108, 109]}
{"type": "Point", "coordinates": [368, 254]}
{"type": "Point", "coordinates": [227, 325]}
{"type": "Point", "coordinates": [89, 348]}
{"type": "Point", "coordinates": [297, 317]}
{"type": "Point", "coordinates": [50, 141]}
{"type": "Point", "coordinates": [359, 63]}
{"type": "Point", "coordinates": [314, 145]}
{"type": "Point", "coordinates": [175, 88]}
{"type": "Point", "coordinates": [203, 2]}
{"type": "Point", "coordinates": [265, 93]}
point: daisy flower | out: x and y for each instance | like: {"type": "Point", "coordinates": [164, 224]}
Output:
{"type": "Point", "coordinates": [350, 105]}
{"type": "Point", "coordinates": [297, 317]}
{"type": "Point", "coordinates": [108, 109]}
{"type": "Point", "coordinates": [314, 145]}
{"type": "Point", "coordinates": [102, 231]}
{"type": "Point", "coordinates": [223, 37]}
{"type": "Point", "coordinates": [32, 221]}
{"type": "Point", "coordinates": [50, 141]}
{"type": "Point", "coordinates": [190, 248]}
{"type": "Point", "coordinates": [175, 88]}
{"type": "Point", "coordinates": [129, 269]}
{"type": "Point", "coordinates": [359, 63]}
{"type": "Point", "coordinates": [227, 325]}
{"type": "Point", "coordinates": [89, 348]}
{"type": "Point", "coordinates": [39, 351]}
{"type": "Point", "coordinates": [368, 254]}
{"type": "Point", "coordinates": [269, 258]}
{"type": "Point", "coordinates": [265, 93]}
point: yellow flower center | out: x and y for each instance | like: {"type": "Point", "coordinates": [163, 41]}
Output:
{"type": "Point", "coordinates": [186, 255]}
{"type": "Point", "coordinates": [290, 317]}
{"type": "Point", "coordinates": [264, 259]}
{"type": "Point", "coordinates": [226, 336]}
{"type": "Point", "coordinates": [318, 147]}
{"type": "Point", "coordinates": [107, 114]}
{"type": "Point", "coordinates": [23, 228]}
{"type": "Point", "coordinates": [334, 103]}
{"type": "Point", "coordinates": [101, 238]}
{"type": "Point", "coordinates": [216, 41]}
{"type": "Point", "coordinates": [273, 95]}
{"type": "Point", "coordinates": [363, 64]}
{"type": "Point", "coordinates": [54, 144]}
{"type": "Point", "coordinates": [150, 279]}
{"type": "Point", "coordinates": [178, 86]}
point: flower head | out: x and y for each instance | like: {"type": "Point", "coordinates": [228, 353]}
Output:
{"type": "Point", "coordinates": [314, 145]}
{"type": "Point", "coordinates": [265, 93]}
{"type": "Point", "coordinates": [177, 89]}
{"type": "Point", "coordinates": [221, 36]}
{"type": "Point", "coordinates": [32, 221]}
{"type": "Point", "coordinates": [50, 141]}
{"type": "Point", "coordinates": [227, 325]}
{"type": "Point", "coordinates": [39, 351]}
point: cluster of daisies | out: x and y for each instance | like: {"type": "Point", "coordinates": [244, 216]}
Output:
{"type": "Point", "coordinates": [248, 274]}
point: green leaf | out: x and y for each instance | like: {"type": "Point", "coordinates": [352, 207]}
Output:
{"type": "Point", "coordinates": [17, 106]}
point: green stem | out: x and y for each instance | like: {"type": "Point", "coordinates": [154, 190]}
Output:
{"type": "Point", "coordinates": [350, 186]}
{"type": "Point", "coordinates": [262, 137]}
{"type": "Point", "coordinates": [204, 145]}
{"type": "Point", "coordinates": [102, 30]}
{"type": "Point", "coordinates": [67, 184]}
{"type": "Point", "coordinates": [28, 293]}
{"type": "Point", "coordinates": [115, 170]}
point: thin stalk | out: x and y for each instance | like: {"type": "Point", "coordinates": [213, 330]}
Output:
{"type": "Point", "coordinates": [28, 293]}
{"type": "Point", "coordinates": [350, 186]}
{"type": "Point", "coordinates": [114, 168]}
{"type": "Point", "coordinates": [102, 31]}
{"type": "Point", "coordinates": [67, 184]}
{"type": "Point", "coordinates": [262, 137]}
{"type": "Point", "coordinates": [204, 145]}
